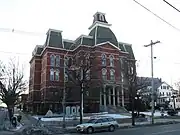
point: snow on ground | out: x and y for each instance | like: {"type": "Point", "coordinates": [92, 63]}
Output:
{"type": "Point", "coordinates": [116, 116]}
{"type": "Point", "coordinates": [59, 118]}
{"type": "Point", "coordinates": [156, 114]}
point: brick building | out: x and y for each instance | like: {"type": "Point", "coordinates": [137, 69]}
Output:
{"type": "Point", "coordinates": [109, 85]}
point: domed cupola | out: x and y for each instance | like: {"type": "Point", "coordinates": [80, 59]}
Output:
{"type": "Point", "coordinates": [100, 30]}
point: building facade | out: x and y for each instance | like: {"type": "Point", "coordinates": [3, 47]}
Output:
{"type": "Point", "coordinates": [165, 95]}
{"type": "Point", "coordinates": [108, 73]}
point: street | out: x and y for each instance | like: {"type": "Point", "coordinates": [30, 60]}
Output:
{"type": "Point", "coordinates": [172, 129]}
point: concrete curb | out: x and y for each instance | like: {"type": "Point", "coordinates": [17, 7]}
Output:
{"type": "Point", "coordinates": [149, 125]}
{"type": "Point", "coordinates": [128, 126]}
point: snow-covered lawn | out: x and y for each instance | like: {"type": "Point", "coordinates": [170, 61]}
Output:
{"type": "Point", "coordinates": [156, 114]}
{"type": "Point", "coordinates": [116, 116]}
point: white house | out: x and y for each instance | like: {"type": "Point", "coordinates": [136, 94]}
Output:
{"type": "Point", "coordinates": [165, 95]}
{"type": "Point", "coordinates": [164, 92]}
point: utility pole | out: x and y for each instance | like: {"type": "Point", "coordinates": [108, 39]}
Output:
{"type": "Point", "coordinates": [152, 81]}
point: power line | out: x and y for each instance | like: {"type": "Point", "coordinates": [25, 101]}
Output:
{"type": "Point", "coordinates": [171, 5]}
{"type": "Point", "coordinates": [21, 32]}
{"type": "Point", "coordinates": [14, 53]}
{"type": "Point", "coordinates": [157, 16]}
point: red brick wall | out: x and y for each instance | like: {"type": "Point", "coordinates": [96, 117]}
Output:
{"type": "Point", "coordinates": [40, 70]}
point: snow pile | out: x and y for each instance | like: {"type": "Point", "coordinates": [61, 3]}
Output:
{"type": "Point", "coordinates": [59, 118]}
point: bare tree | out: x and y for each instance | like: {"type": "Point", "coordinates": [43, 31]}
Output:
{"type": "Point", "coordinates": [134, 83]}
{"type": "Point", "coordinates": [78, 71]}
{"type": "Point", "coordinates": [11, 86]}
{"type": "Point", "coordinates": [177, 84]}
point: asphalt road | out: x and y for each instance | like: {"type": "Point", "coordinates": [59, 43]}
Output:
{"type": "Point", "coordinates": [172, 129]}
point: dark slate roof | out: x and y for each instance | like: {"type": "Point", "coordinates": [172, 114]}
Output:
{"type": "Point", "coordinates": [78, 41]}
{"type": "Point", "coordinates": [87, 41]}
{"type": "Point", "coordinates": [104, 34]}
{"type": "Point", "coordinates": [121, 46]}
{"type": "Point", "coordinates": [129, 49]}
{"type": "Point", "coordinates": [54, 39]}
{"type": "Point", "coordinates": [146, 81]}
{"type": "Point", "coordinates": [38, 50]}
{"type": "Point", "coordinates": [68, 44]}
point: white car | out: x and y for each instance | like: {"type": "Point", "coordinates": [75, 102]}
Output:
{"type": "Point", "coordinates": [98, 124]}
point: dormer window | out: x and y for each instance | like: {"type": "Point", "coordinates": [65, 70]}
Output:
{"type": "Point", "coordinates": [103, 60]}
{"type": "Point", "coordinates": [52, 60]}
{"type": "Point", "coordinates": [111, 59]}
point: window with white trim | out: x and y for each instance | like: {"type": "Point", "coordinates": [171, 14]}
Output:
{"type": "Point", "coordinates": [103, 60]}
{"type": "Point", "coordinates": [57, 75]}
{"type": "Point", "coordinates": [104, 74]}
{"type": "Point", "coordinates": [112, 74]}
{"type": "Point", "coordinates": [57, 61]}
{"type": "Point", "coordinates": [51, 75]}
{"type": "Point", "coordinates": [52, 60]}
{"type": "Point", "coordinates": [111, 59]}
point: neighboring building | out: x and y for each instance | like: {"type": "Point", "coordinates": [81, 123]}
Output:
{"type": "Point", "coordinates": [145, 89]}
{"type": "Point", "coordinates": [46, 82]}
{"type": "Point", "coordinates": [164, 93]}
{"type": "Point", "coordinates": [23, 102]}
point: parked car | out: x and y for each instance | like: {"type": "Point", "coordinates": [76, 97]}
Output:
{"type": "Point", "coordinates": [172, 112]}
{"type": "Point", "coordinates": [98, 124]}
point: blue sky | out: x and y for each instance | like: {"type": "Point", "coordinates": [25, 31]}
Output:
{"type": "Point", "coordinates": [130, 23]}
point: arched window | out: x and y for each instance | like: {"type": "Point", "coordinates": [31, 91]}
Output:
{"type": "Point", "coordinates": [101, 17]}
{"type": "Point", "coordinates": [51, 75]}
{"type": "Point", "coordinates": [52, 60]}
{"type": "Point", "coordinates": [57, 75]}
{"type": "Point", "coordinates": [104, 74]}
{"type": "Point", "coordinates": [57, 61]}
{"type": "Point", "coordinates": [112, 74]}
{"type": "Point", "coordinates": [103, 60]}
{"type": "Point", "coordinates": [111, 59]}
